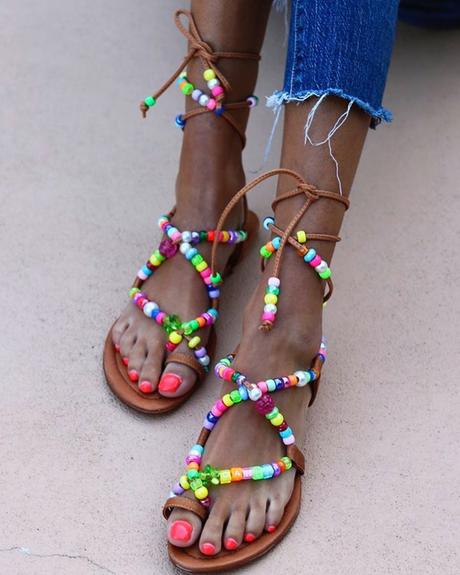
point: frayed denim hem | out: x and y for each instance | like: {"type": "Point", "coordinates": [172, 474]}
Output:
{"type": "Point", "coordinates": [378, 115]}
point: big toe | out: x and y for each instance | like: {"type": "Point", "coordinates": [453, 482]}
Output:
{"type": "Point", "coordinates": [176, 380]}
{"type": "Point", "coordinates": [184, 528]}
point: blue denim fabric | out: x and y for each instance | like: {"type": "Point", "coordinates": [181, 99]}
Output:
{"type": "Point", "coordinates": [339, 47]}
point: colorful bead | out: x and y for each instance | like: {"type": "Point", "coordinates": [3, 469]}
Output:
{"type": "Point", "coordinates": [209, 74]}
{"type": "Point", "coordinates": [150, 101]}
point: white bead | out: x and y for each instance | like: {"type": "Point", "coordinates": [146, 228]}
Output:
{"type": "Point", "coordinates": [186, 236]}
{"type": "Point", "coordinates": [205, 360]}
{"type": "Point", "coordinates": [184, 247]}
{"type": "Point", "coordinates": [267, 222]}
{"type": "Point", "coordinates": [322, 267]}
{"type": "Point", "coordinates": [149, 308]}
{"type": "Point", "coordinates": [275, 282]}
{"type": "Point", "coordinates": [254, 393]}
{"type": "Point", "coordinates": [141, 275]}
{"type": "Point", "coordinates": [302, 377]}
{"type": "Point", "coordinates": [270, 308]}
{"type": "Point", "coordinates": [196, 94]}
{"type": "Point", "coordinates": [203, 100]}
{"type": "Point", "coordinates": [213, 83]}
{"type": "Point", "coordinates": [289, 440]}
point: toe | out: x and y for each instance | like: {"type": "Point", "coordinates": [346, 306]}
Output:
{"type": "Point", "coordinates": [176, 380]}
{"type": "Point", "coordinates": [136, 359]}
{"type": "Point", "coordinates": [117, 332]}
{"type": "Point", "coordinates": [211, 535]}
{"type": "Point", "coordinates": [256, 520]}
{"type": "Point", "coordinates": [151, 369]}
{"type": "Point", "coordinates": [127, 342]}
{"type": "Point", "coordinates": [184, 528]}
{"type": "Point", "coordinates": [274, 513]}
{"type": "Point", "coordinates": [234, 532]}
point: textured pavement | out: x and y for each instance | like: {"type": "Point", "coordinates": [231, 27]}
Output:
{"type": "Point", "coordinates": [82, 180]}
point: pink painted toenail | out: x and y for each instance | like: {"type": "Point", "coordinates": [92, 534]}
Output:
{"type": "Point", "coordinates": [230, 543]}
{"type": "Point", "coordinates": [146, 387]}
{"type": "Point", "coordinates": [249, 537]}
{"type": "Point", "coordinates": [117, 347]}
{"type": "Point", "coordinates": [125, 360]}
{"type": "Point", "coordinates": [181, 530]}
{"type": "Point", "coordinates": [169, 382]}
{"type": "Point", "coordinates": [271, 528]}
{"type": "Point", "coordinates": [208, 548]}
{"type": "Point", "coordinates": [133, 375]}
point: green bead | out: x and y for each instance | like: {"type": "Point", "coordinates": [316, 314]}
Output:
{"type": "Point", "coordinates": [192, 474]}
{"type": "Point", "coordinates": [187, 89]}
{"type": "Point", "coordinates": [196, 483]}
{"type": "Point", "coordinates": [326, 274]}
{"type": "Point", "coordinates": [197, 259]}
{"type": "Point", "coordinates": [243, 235]}
{"type": "Point", "coordinates": [257, 473]}
{"type": "Point", "coordinates": [273, 413]}
{"type": "Point", "coordinates": [203, 235]}
{"type": "Point", "coordinates": [235, 395]}
{"type": "Point", "coordinates": [216, 278]}
{"type": "Point", "coordinates": [194, 325]}
{"type": "Point", "coordinates": [273, 289]}
{"type": "Point", "coordinates": [264, 252]}
{"type": "Point", "coordinates": [287, 462]}
{"type": "Point", "coordinates": [225, 476]}
{"type": "Point", "coordinates": [150, 101]}
{"type": "Point", "coordinates": [133, 291]}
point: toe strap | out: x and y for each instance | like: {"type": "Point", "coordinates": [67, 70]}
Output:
{"type": "Point", "coordinates": [186, 504]}
{"type": "Point", "coordinates": [297, 458]}
{"type": "Point", "coordinates": [187, 360]}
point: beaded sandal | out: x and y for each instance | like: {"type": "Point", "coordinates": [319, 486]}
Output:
{"type": "Point", "coordinates": [198, 480]}
{"type": "Point", "coordinates": [123, 384]}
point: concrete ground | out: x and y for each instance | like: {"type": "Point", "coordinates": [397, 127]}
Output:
{"type": "Point", "coordinates": [83, 178]}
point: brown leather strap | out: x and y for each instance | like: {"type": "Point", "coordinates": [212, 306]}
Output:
{"type": "Point", "coordinates": [184, 503]}
{"type": "Point", "coordinates": [188, 360]}
{"type": "Point", "coordinates": [297, 458]}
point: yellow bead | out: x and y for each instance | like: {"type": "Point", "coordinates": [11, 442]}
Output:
{"type": "Point", "coordinates": [277, 420]}
{"type": "Point", "coordinates": [175, 337]}
{"type": "Point", "coordinates": [194, 342]}
{"type": "Point", "coordinates": [201, 492]}
{"type": "Point", "coordinates": [209, 74]}
{"type": "Point", "coordinates": [225, 236]}
{"type": "Point", "coordinates": [201, 266]}
{"type": "Point", "coordinates": [225, 476]}
{"type": "Point", "coordinates": [301, 237]}
{"type": "Point", "coordinates": [183, 482]}
{"type": "Point", "coordinates": [227, 400]}
{"type": "Point", "coordinates": [270, 298]}
{"type": "Point", "coordinates": [236, 473]}
{"type": "Point", "coordinates": [154, 260]}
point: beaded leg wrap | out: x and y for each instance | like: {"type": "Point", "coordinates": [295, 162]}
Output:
{"type": "Point", "coordinates": [198, 479]}
{"type": "Point", "coordinates": [186, 243]}
{"type": "Point", "coordinates": [217, 83]}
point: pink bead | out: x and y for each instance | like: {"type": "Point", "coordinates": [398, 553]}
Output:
{"type": "Point", "coordinates": [289, 440]}
{"type": "Point", "coordinates": [141, 275]}
{"type": "Point", "coordinates": [160, 317]}
{"type": "Point", "coordinates": [207, 280]}
{"type": "Point", "coordinates": [268, 316]}
{"type": "Point", "coordinates": [170, 346]}
{"type": "Point", "coordinates": [176, 236]}
{"type": "Point", "coordinates": [227, 374]}
{"type": "Point", "coordinates": [262, 386]}
{"type": "Point", "coordinates": [247, 472]}
{"type": "Point", "coordinates": [221, 405]}
{"type": "Point", "coordinates": [217, 91]}
{"type": "Point", "coordinates": [205, 273]}
{"type": "Point", "coordinates": [315, 261]}
{"type": "Point", "coordinates": [215, 411]}
{"type": "Point", "coordinates": [211, 105]}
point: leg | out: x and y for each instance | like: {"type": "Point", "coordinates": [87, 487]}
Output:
{"type": "Point", "coordinates": [241, 511]}
{"type": "Point", "coordinates": [210, 172]}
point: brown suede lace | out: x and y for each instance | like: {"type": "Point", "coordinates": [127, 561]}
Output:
{"type": "Point", "coordinates": [311, 193]}
{"type": "Point", "coordinates": [198, 48]}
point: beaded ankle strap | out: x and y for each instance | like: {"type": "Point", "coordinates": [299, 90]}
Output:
{"type": "Point", "coordinates": [199, 480]}
{"type": "Point", "coordinates": [282, 238]}
{"type": "Point", "coordinates": [186, 242]}
{"type": "Point", "coordinates": [216, 81]}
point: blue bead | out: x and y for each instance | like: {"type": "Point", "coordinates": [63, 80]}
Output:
{"type": "Point", "coordinates": [147, 271]}
{"type": "Point", "coordinates": [267, 470]}
{"type": "Point", "coordinates": [267, 221]}
{"type": "Point", "coordinates": [212, 418]}
{"type": "Point", "coordinates": [286, 433]}
{"type": "Point", "coordinates": [243, 392]}
{"type": "Point", "coordinates": [180, 122]}
{"type": "Point", "coordinates": [191, 252]}
{"type": "Point", "coordinates": [276, 242]}
{"type": "Point", "coordinates": [309, 255]}
{"type": "Point", "coordinates": [279, 383]}
{"type": "Point", "coordinates": [219, 111]}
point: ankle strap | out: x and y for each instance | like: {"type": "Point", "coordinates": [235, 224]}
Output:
{"type": "Point", "coordinates": [312, 194]}
{"type": "Point", "coordinates": [198, 48]}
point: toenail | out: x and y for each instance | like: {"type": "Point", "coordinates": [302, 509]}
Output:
{"type": "Point", "coordinates": [125, 360]}
{"type": "Point", "coordinates": [181, 530]}
{"type": "Point", "coordinates": [208, 548]}
{"type": "Point", "coordinates": [271, 528]}
{"type": "Point", "coordinates": [133, 375]}
{"type": "Point", "coordinates": [249, 537]}
{"type": "Point", "coordinates": [169, 382]}
{"type": "Point", "coordinates": [146, 387]}
{"type": "Point", "coordinates": [117, 347]}
{"type": "Point", "coordinates": [230, 543]}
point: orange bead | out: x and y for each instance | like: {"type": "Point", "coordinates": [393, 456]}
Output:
{"type": "Point", "coordinates": [292, 380]}
{"type": "Point", "coordinates": [236, 473]}
{"type": "Point", "coordinates": [193, 465]}
{"type": "Point", "coordinates": [281, 465]}
{"type": "Point", "coordinates": [201, 321]}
